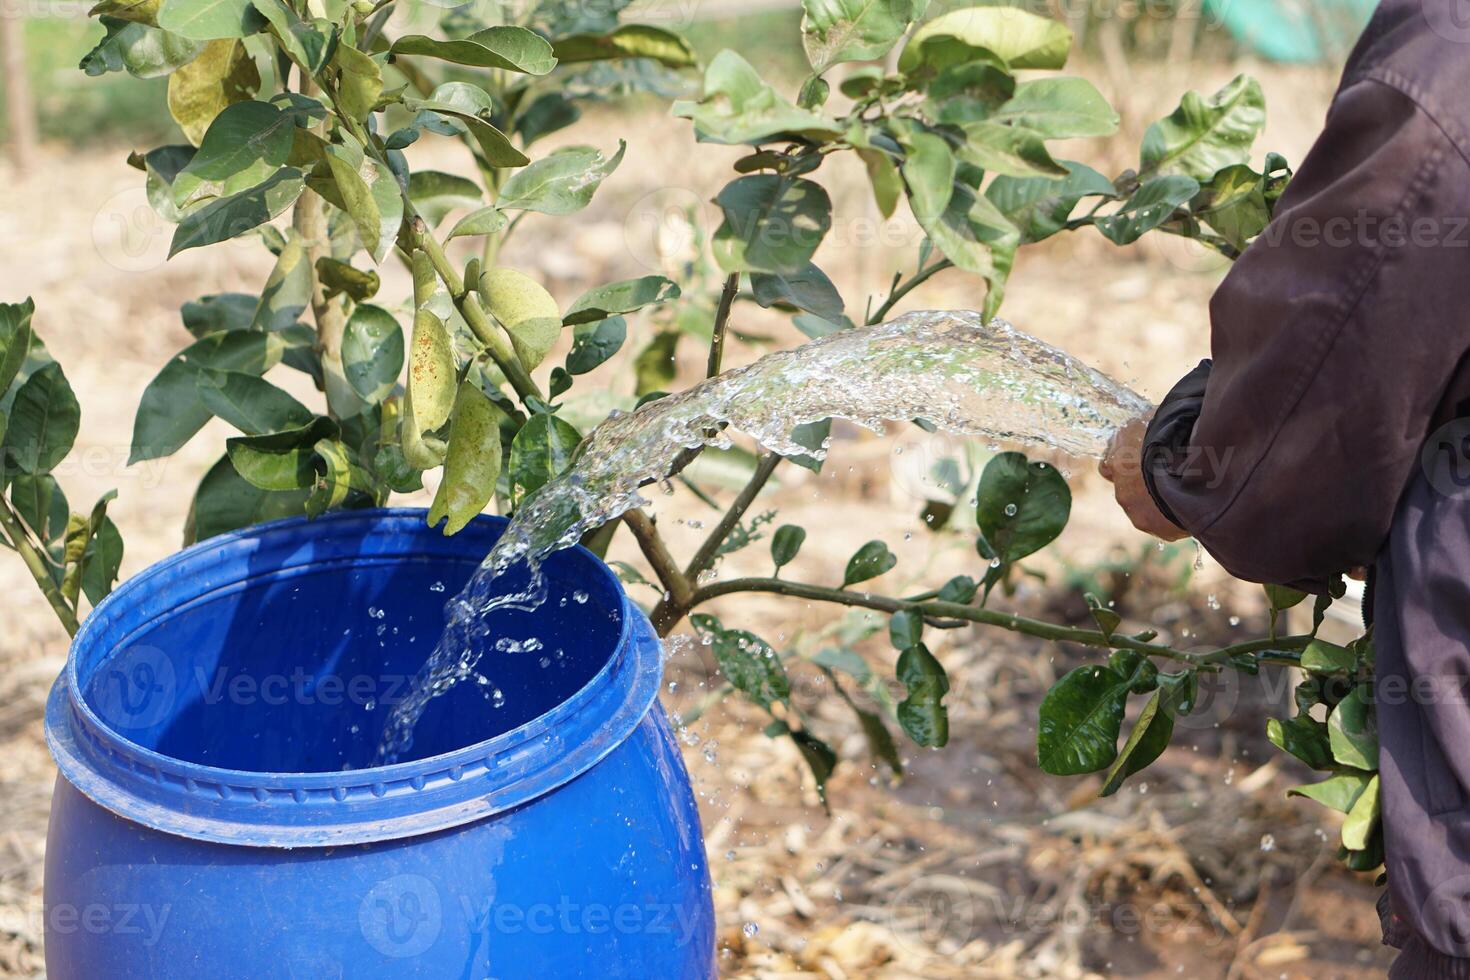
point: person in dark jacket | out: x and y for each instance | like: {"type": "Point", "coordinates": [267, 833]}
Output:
{"type": "Point", "coordinates": [1330, 431]}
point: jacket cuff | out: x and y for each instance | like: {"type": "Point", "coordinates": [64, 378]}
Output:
{"type": "Point", "coordinates": [1166, 442]}
{"type": "Point", "coordinates": [1417, 960]}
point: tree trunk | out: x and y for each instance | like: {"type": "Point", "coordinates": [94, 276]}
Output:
{"type": "Point", "coordinates": [20, 113]}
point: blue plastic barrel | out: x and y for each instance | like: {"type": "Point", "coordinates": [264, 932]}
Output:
{"type": "Point", "coordinates": [218, 814]}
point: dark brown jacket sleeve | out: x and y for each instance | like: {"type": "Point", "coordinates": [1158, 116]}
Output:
{"type": "Point", "coordinates": [1333, 340]}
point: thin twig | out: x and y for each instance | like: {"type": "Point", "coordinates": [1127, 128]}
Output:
{"type": "Point", "coordinates": [989, 617]}
{"type": "Point", "coordinates": [722, 319]}
{"type": "Point", "coordinates": [36, 565]}
{"type": "Point", "coordinates": [708, 551]}
{"type": "Point", "coordinates": [899, 292]}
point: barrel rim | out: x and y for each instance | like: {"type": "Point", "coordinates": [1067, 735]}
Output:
{"type": "Point", "coordinates": [305, 809]}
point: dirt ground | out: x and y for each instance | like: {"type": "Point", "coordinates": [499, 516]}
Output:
{"type": "Point", "coordinates": [975, 865]}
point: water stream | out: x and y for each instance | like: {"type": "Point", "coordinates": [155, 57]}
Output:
{"type": "Point", "coordinates": [950, 369]}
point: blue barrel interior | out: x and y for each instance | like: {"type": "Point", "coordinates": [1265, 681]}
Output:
{"type": "Point", "coordinates": [295, 669]}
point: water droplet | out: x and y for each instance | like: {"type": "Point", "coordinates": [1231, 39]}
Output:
{"type": "Point", "coordinates": [750, 929]}
{"type": "Point", "coordinates": [437, 587]}
{"type": "Point", "coordinates": [1011, 510]}
{"type": "Point", "coordinates": [1268, 842]}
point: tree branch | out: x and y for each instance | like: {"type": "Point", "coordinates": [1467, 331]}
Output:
{"type": "Point", "coordinates": [722, 319]}
{"type": "Point", "coordinates": [36, 565]}
{"type": "Point", "coordinates": [646, 533]}
{"type": "Point", "coordinates": [991, 617]}
{"type": "Point", "coordinates": [473, 313]}
{"type": "Point", "coordinates": [899, 292]}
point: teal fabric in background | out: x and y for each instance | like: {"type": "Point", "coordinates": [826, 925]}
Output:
{"type": "Point", "coordinates": [1293, 31]}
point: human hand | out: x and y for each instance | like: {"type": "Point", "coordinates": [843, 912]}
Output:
{"type": "Point", "coordinates": [1122, 466]}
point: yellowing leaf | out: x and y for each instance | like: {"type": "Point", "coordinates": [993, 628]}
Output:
{"type": "Point", "coordinates": [472, 466]}
{"type": "Point", "coordinates": [525, 309]}
{"type": "Point", "coordinates": [221, 76]}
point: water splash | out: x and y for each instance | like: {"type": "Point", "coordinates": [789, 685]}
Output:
{"type": "Point", "coordinates": [951, 369]}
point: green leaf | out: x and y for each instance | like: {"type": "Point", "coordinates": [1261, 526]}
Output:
{"type": "Point", "coordinates": [834, 31]}
{"type": "Point", "coordinates": [1152, 731]}
{"type": "Point", "coordinates": [748, 662]}
{"type": "Point", "coordinates": [287, 290]}
{"type": "Point", "coordinates": [1202, 135]}
{"type": "Point", "coordinates": [372, 352]}
{"type": "Point", "coordinates": [628, 41]}
{"type": "Point", "coordinates": [223, 74]}
{"type": "Point", "coordinates": [1328, 658]}
{"type": "Point", "coordinates": [626, 296]}
{"type": "Point", "coordinates": [1282, 597]}
{"type": "Point", "coordinates": [1233, 204]}
{"type": "Point", "coordinates": [1059, 108]}
{"type": "Point", "coordinates": [471, 107]}
{"type": "Point", "coordinates": [785, 544]}
{"type": "Point", "coordinates": [141, 50]}
{"type": "Point", "coordinates": [472, 467]}
{"type": "Point", "coordinates": [102, 557]}
{"type": "Point", "coordinates": [820, 759]}
{"type": "Point", "coordinates": [40, 502]}
{"type": "Point", "coordinates": [282, 460]}
{"type": "Point", "coordinates": [1008, 150]}
{"type": "Point", "coordinates": [339, 480]}
{"type": "Point", "coordinates": [869, 561]}
{"type": "Point", "coordinates": [848, 661]}
{"type": "Point", "coordinates": [922, 714]}
{"type": "Point", "coordinates": [307, 43]}
{"type": "Point", "coordinates": [561, 183]}
{"type": "Point", "coordinates": [884, 176]}
{"type": "Point", "coordinates": [738, 107]}
{"type": "Point", "coordinates": [1082, 714]}
{"type": "Point", "coordinates": [434, 194]}
{"type": "Point", "coordinates": [772, 223]}
{"type": "Point", "coordinates": [1106, 619]}
{"type": "Point", "coordinates": [1021, 507]}
{"type": "Point", "coordinates": [929, 170]}
{"type": "Point", "coordinates": [595, 342]}
{"type": "Point", "coordinates": [654, 365]}
{"type": "Point", "coordinates": [959, 589]}
{"type": "Point", "coordinates": [509, 48]}
{"type": "Point", "coordinates": [244, 146]}
{"type": "Point", "coordinates": [809, 290]}
{"type": "Point", "coordinates": [1335, 792]}
{"type": "Point", "coordinates": [208, 20]}
{"type": "Point", "coordinates": [225, 501]}
{"type": "Point", "coordinates": [1353, 733]}
{"type": "Point", "coordinates": [219, 312]}
{"type": "Point", "coordinates": [541, 450]}
{"type": "Point", "coordinates": [484, 221]}
{"type": "Point", "coordinates": [905, 629]}
{"type": "Point", "coordinates": [526, 310]}
{"type": "Point", "coordinates": [1021, 39]}
{"type": "Point", "coordinates": [813, 437]}
{"type": "Point", "coordinates": [360, 82]}
{"type": "Point", "coordinates": [1150, 206]}
{"type": "Point", "coordinates": [975, 236]}
{"type": "Point", "coordinates": [1303, 737]}
{"type": "Point", "coordinates": [340, 278]}
{"type": "Point", "coordinates": [171, 410]}
{"type": "Point", "coordinates": [1041, 206]}
{"type": "Point", "coordinates": [357, 196]}
{"type": "Point", "coordinates": [137, 11]}
{"type": "Point", "coordinates": [1362, 818]}
{"type": "Point", "coordinates": [15, 339]}
{"type": "Point", "coordinates": [43, 422]}
{"type": "Point", "coordinates": [249, 402]}
{"type": "Point", "coordinates": [230, 217]}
